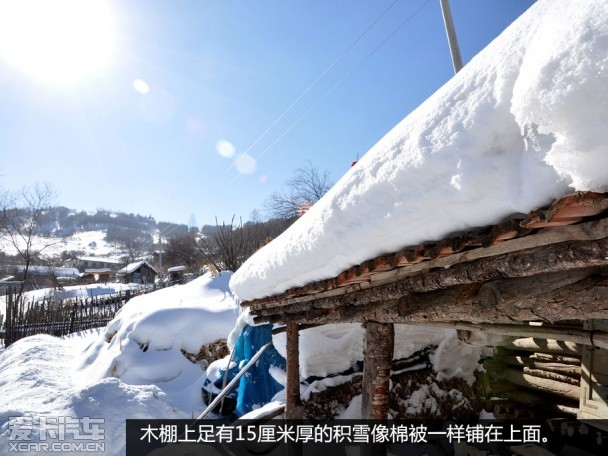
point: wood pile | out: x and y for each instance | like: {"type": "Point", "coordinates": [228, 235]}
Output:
{"type": "Point", "coordinates": [535, 378]}
{"type": "Point", "coordinates": [208, 353]}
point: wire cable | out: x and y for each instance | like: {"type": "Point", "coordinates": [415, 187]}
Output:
{"type": "Point", "coordinates": [333, 87]}
{"type": "Point", "coordinates": [315, 82]}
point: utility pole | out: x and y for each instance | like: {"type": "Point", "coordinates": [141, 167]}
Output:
{"type": "Point", "coordinates": [160, 255]}
{"type": "Point", "coordinates": [451, 33]}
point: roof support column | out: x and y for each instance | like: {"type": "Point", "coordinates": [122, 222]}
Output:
{"type": "Point", "coordinates": [294, 410]}
{"type": "Point", "coordinates": [378, 359]}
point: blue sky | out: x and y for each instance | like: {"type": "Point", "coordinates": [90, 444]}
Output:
{"type": "Point", "coordinates": [139, 131]}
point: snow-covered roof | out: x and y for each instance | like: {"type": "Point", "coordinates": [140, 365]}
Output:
{"type": "Point", "coordinates": [100, 259]}
{"type": "Point", "coordinates": [177, 269]}
{"type": "Point", "coordinates": [98, 271]}
{"type": "Point", "coordinates": [132, 267]}
{"type": "Point", "coordinates": [521, 125]}
{"type": "Point", "coordinates": [49, 270]}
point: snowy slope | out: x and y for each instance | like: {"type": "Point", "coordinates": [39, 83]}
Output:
{"type": "Point", "coordinates": [84, 242]}
{"type": "Point", "coordinates": [523, 123]}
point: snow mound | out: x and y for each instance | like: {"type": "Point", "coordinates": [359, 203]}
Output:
{"type": "Point", "coordinates": [144, 344]}
{"type": "Point", "coordinates": [522, 124]}
{"type": "Point", "coordinates": [36, 381]}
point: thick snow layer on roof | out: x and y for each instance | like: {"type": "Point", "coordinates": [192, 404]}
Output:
{"type": "Point", "coordinates": [523, 123]}
{"type": "Point", "coordinates": [48, 270]}
{"type": "Point", "coordinates": [132, 267]}
{"type": "Point", "coordinates": [98, 259]}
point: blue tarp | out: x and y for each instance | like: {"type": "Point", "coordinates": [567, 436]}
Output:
{"type": "Point", "coordinates": [256, 387]}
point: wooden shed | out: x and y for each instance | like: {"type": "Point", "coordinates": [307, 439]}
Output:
{"type": "Point", "coordinates": [539, 283]}
{"type": "Point", "coordinates": [140, 272]}
{"type": "Point", "coordinates": [460, 217]}
{"type": "Point", "coordinates": [177, 275]}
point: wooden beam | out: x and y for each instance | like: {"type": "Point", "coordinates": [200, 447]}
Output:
{"type": "Point", "coordinates": [559, 368]}
{"type": "Point", "coordinates": [329, 288]}
{"type": "Point", "coordinates": [293, 403]}
{"type": "Point", "coordinates": [551, 259]}
{"type": "Point", "coordinates": [461, 304]}
{"type": "Point", "coordinates": [378, 358]}
{"type": "Point", "coordinates": [507, 292]}
{"type": "Point", "coordinates": [555, 333]}
{"type": "Point", "coordinates": [550, 358]}
{"type": "Point", "coordinates": [565, 390]}
{"type": "Point", "coordinates": [544, 346]}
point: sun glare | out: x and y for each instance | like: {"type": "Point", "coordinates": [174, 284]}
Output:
{"type": "Point", "coordinates": [56, 41]}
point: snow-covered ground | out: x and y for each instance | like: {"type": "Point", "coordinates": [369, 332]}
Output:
{"type": "Point", "coordinates": [335, 348]}
{"type": "Point", "coordinates": [133, 368]}
{"type": "Point", "coordinates": [521, 124]}
{"type": "Point", "coordinates": [330, 349]}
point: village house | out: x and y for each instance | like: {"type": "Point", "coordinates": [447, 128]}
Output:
{"type": "Point", "coordinates": [177, 275]}
{"type": "Point", "coordinates": [38, 276]}
{"type": "Point", "coordinates": [140, 272]}
{"type": "Point", "coordinates": [83, 263]}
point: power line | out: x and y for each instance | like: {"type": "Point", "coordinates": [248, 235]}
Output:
{"type": "Point", "coordinates": [314, 83]}
{"type": "Point", "coordinates": [333, 87]}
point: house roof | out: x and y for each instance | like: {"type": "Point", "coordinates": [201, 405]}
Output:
{"type": "Point", "coordinates": [578, 217]}
{"type": "Point", "coordinates": [132, 267]}
{"type": "Point", "coordinates": [93, 271]}
{"type": "Point", "coordinates": [49, 270]}
{"type": "Point", "coordinates": [100, 259]}
{"type": "Point", "coordinates": [522, 125]}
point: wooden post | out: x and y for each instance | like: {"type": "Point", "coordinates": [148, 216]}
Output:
{"type": "Point", "coordinates": [378, 358]}
{"type": "Point", "coordinates": [8, 325]}
{"type": "Point", "coordinates": [294, 410]}
{"type": "Point", "coordinates": [293, 403]}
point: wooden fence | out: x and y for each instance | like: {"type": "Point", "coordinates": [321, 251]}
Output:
{"type": "Point", "coordinates": [58, 317]}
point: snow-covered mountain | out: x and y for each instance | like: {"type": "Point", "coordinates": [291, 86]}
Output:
{"type": "Point", "coordinates": [98, 233]}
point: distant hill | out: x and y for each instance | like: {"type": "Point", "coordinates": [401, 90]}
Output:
{"type": "Point", "coordinates": [61, 222]}
{"type": "Point", "coordinates": [100, 233]}
{"type": "Point", "coordinates": [64, 234]}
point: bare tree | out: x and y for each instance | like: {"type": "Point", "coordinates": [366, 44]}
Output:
{"type": "Point", "coordinates": [21, 216]}
{"type": "Point", "coordinates": [228, 247]}
{"type": "Point", "coordinates": [307, 186]}
{"type": "Point", "coordinates": [182, 250]}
